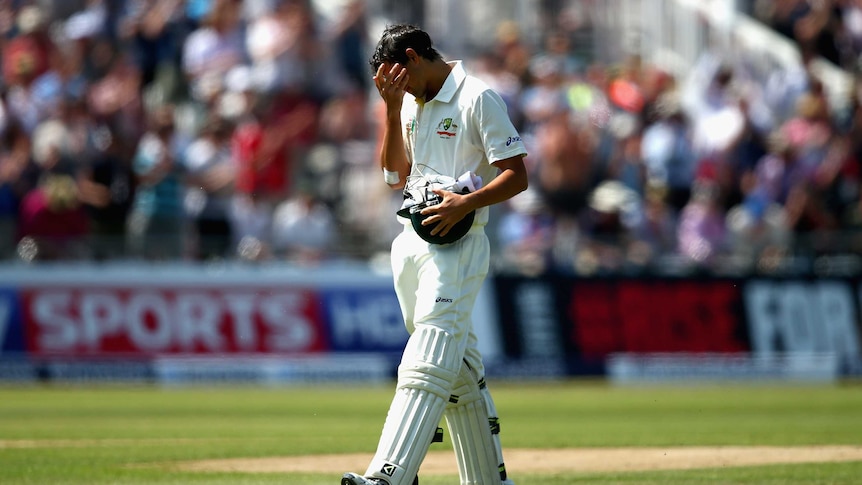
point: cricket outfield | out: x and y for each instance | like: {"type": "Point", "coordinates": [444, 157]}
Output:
{"type": "Point", "coordinates": [554, 433]}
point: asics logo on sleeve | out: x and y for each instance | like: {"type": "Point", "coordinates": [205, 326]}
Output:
{"type": "Point", "coordinates": [513, 139]}
{"type": "Point", "coordinates": [440, 299]}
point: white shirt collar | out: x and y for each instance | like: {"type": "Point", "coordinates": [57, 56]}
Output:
{"type": "Point", "coordinates": [452, 82]}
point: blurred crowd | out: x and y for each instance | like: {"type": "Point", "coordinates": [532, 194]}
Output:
{"type": "Point", "coordinates": [170, 129]}
{"type": "Point", "coordinates": [222, 129]}
{"type": "Point", "coordinates": [828, 28]}
{"type": "Point", "coordinates": [722, 169]}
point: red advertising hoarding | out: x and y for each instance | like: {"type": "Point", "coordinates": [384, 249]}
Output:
{"type": "Point", "coordinates": [656, 316]}
{"type": "Point", "coordinates": [103, 321]}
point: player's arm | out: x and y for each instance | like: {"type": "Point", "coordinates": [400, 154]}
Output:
{"type": "Point", "coordinates": [393, 153]}
{"type": "Point", "coordinates": [511, 180]}
{"type": "Point", "coordinates": [390, 82]}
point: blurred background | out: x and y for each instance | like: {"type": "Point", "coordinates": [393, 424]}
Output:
{"type": "Point", "coordinates": [189, 189]}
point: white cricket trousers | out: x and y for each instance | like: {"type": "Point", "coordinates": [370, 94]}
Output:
{"type": "Point", "coordinates": [438, 285]}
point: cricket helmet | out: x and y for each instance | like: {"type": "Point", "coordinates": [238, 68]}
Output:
{"type": "Point", "coordinates": [420, 194]}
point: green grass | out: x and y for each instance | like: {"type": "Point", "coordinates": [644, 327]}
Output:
{"type": "Point", "coordinates": [96, 435]}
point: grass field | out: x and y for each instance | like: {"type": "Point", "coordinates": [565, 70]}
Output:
{"type": "Point", "coordinates": [137, 435]}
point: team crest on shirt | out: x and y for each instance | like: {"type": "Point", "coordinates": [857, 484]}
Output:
{"type": "Point", "coordinates": [446, 128]}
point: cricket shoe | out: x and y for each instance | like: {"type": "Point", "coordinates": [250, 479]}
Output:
{"type": "Point", "coordinates": [354, 479]}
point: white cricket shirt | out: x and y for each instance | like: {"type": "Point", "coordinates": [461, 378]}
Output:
{"type": "Point", "coordinates": [466, 127]}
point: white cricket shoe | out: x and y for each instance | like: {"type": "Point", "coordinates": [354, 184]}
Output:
{"type": "Point", "coordinates": [354, 479]}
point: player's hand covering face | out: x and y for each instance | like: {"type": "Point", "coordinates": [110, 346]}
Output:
{"type": "Point", "coordinates": [391, 81]}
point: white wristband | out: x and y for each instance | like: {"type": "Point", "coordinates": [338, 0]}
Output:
{"type": "Point", "coordinates": [391, 177]}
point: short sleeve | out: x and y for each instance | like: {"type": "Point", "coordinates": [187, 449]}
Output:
{"type": "Point", "coordinates": [500, 138]}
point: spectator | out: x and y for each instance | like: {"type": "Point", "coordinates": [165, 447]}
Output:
{"type": "Point", "coordinates": [303, 228]}
{"type": "Point", "coordinates": [349, 38]}
{"type": "Point", "coordinates": [608, 228]}
{"type": "Point", "coordinates": [667, 151]}
{"type": "Point", "coordinates": [53, 220]}
{"type": "Point", "coordinates": [115, 96]}
{"type": "Point", "coordinates": [51, 148]}
{"type": "Point", "coordinates": [654, 234]}
{"type": "Point", "coordinates": [545, 96]}
{"type": "Point", "coordinates": [587, 98]}
{"type": "Point", "coordinates": [526, 235]}
{"type": "Point", "coordinates": [713, 105]}
{"type": "Point", "coordinates": [106, 185]}
{"type": "Point", "coordinates": [851, 26]}
{"type": "Point", "coordinates": [624, 162]}
{"type": "Point", "coordinates": [25, 59]}
{"type": "Point", "coordinates": [90, 21]}
{"type": "Point", "coordinates": [557, 47]}
{"type": "Point", "coordinates": [819, 30]}
{"type": "Point", "coordinates": [757, 234]}
{"type": "Point", "coordinates": [212, 49]}
{"type": "Point", "coordinates": [25, 56]}
{"type": "Point", "coordinates": [288, 54]}
{"type": "Point", "coordinates": [702, 236]}
{"type": "Point", "coordinates": [156, 223]}
{"type": "Point", "coordinates": [273, 41]}
{"type": "Point", "coordinates": [810, 129]}
{"type": "Point", "coordinates": [154, 30]}
{"type": "Point", "coordinates": [209, 189]}
{"type": "Point", "coordinates": [510, 45]}
{"type": "Point", "coordinates": [18, 176]}
{"type": "Point", "coordinates": [267, 145]}
{"type": "Point", "coordinates": [565, 164]}
{"type": "Point", "coordinates": [626, 88]}
{"type": "Point", "coordinates": [260, 170]}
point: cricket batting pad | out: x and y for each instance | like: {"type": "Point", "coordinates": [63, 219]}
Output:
{"type": "Point", "coordinates": [467, 418]}
{"type": "Point", "coordinates": [427, 372]}
{"type": "Point", "coordinates": [494, 422]}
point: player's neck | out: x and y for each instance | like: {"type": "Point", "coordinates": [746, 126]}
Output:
{"type": "Point", "coordinates": [437, 74]}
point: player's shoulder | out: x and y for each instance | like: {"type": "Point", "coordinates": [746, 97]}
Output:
{"type": "Point", "coordinates": [475, 85]}
{"type": "Point", "coordinates": [476, 93]}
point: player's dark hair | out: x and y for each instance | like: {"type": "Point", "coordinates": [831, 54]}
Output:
{"type": "Point", "coordinates": [396, 39]}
